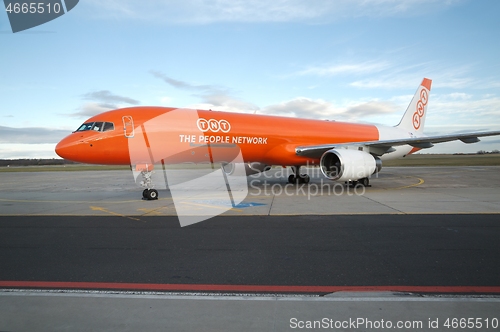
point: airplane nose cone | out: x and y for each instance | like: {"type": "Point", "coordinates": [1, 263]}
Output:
{"type": "Point", "coordinates": [62, 150]}
{"type": "Point", "coordinates": [66, 149]}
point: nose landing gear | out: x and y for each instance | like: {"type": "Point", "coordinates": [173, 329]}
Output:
{"type": "Point", "coordinates": [146, 172]}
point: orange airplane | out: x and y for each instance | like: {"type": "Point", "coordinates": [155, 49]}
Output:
{"type": "Point", "coordinates": [143, 136]}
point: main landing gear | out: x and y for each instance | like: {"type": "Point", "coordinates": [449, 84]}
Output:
{"type": "Point", "coordinates": [364, 182]}
{"type": "Point", "coordinates": [304, 178]}
{"type": "Point", "coordinates": [298, 179]}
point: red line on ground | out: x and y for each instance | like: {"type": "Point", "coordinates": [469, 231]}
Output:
{"type": "Point", "coordinates": [245, 288]}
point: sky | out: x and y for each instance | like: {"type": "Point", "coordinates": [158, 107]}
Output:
{"type": "Point", "coordinates": [345, 60]}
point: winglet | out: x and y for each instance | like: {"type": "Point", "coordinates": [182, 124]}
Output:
{"type": "Point", "coordinates": [414, 118]}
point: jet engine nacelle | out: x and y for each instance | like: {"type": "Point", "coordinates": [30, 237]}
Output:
{"type": "Point", "coordinates": [348, 165]}
{"type": "Point", "coordinates": [245, 169]}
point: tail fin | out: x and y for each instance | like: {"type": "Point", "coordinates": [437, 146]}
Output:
{"type": "Point", "coordinates": [414, 117]}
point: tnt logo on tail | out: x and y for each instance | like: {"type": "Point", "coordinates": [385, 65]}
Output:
{"type": "Point", "coordinates": [420, 112]}
{"type": "Point", "coordinates": [414, 117]}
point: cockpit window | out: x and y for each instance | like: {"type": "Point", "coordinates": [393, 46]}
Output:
{"type": "Point", "coordinates": [108, 126]}
{"type": "Point", "coordinates": [85, 126]}
{"type": "Point", "coordinates": [97, 126]}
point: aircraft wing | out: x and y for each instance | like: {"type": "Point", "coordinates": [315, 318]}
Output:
{"type": "Point", "coordinates": [381, 147]}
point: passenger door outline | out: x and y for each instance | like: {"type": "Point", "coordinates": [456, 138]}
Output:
{"type": "Point", "coordinates": [128, 126]}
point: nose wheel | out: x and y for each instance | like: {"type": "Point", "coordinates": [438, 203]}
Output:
{"type": "Point", "coordinates": [150, 194]}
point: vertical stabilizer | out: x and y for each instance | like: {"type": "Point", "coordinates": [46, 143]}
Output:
{"type": "Point", "coordinates": [414, 118]}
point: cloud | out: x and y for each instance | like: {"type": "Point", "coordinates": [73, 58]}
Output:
{"type": "Point", "coordinates": [212, 11]}
{"type": "Point", "coordinates": [304, 108]}
{"type": "Point", "coordinates": [307, 108]}
{"type": "Point", "coordinates": [90, 109]}
{"type": "Point", "coordinates": [408, 80]}
{"type": "Point", "coordinates": [22, 151]}
{"type": "Point", "coordinates": [102, 101]}
{"type": "Point", "coordinates": [212, 96]}
{"type": "Point", "coordinates": [454, 108]}
{"type": "Point", "coordinates": [181, 84]}
{"type": "Point", "coordinates": [494, 141]}
{"type": "Point", "coordinates": [342, 69]}
{"type": "Point", "coordinates": [220, 99]}
{"type": "Point", "coordinates": [31, 135]}
{"type": "Point", "coordinates": [108, 97]}
{"type": "Point", "coordinates": [224, 102]}
{"type": "Point", "coordinates": [465, 109]}
{"type": "Point", "coordinates": [399, 69]}
{"type": "Point", "coordinates": [370, 108]}
{"type": "Point", "coordinates": [395, 69]}
{"type": "Point", "coordinates": [408, 75]}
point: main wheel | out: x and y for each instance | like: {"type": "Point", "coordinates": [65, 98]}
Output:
{"type": "Point", "coordinates": [365, 182]}
{"type": "Point", "coordinates": [305, 178]}
{"type": "Point", "coordinates": [145, 193]}
{"type": "Point", "coordinates": [359, 186]}
{"type": "Point", "coordinates": [291, 178]}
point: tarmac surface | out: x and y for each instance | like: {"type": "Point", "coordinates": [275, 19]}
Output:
{"type": "Point", "coordinates": [396, 190]}
{"type": "Point", "coordinates": [263, 251]}
{"type": "Point", "coordinates": [82, 251]}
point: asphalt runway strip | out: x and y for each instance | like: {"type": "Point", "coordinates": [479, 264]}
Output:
{"type": "Point", "coordinates": [431, 253]}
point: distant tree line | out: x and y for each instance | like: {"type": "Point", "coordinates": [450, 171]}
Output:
{"type": "Point", "coordinates": [34, 162]}
{"type": "Point", "coordinates": [486, 152]}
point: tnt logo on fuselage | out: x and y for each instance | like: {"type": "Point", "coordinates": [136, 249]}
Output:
{"type": "Point", "coordinates": [213, 125]}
